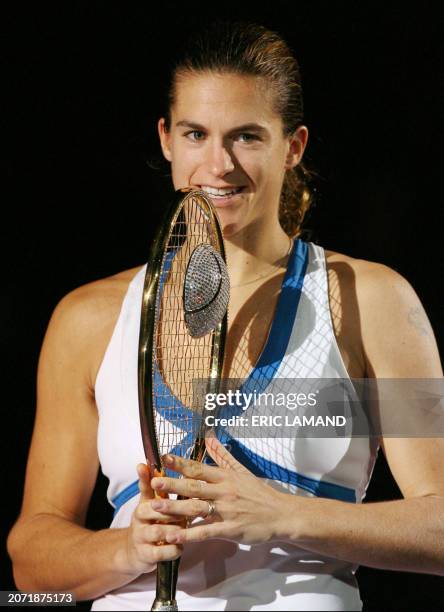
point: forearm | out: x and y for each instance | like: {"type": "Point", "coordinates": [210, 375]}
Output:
{"type": "Point", "coordinates": [52, 553]}
{"type": "Point", "coordinates": [403, 535]}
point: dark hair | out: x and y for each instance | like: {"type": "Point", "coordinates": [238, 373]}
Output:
{"type": "Point", "coordinates": [253, 50]}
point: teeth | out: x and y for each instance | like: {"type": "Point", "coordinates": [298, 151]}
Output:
{"type": "Point", "coordinates": [219, 192]}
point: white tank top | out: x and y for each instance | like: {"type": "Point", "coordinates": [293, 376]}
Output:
{"type": "Point", "coordinates": [221, 575]}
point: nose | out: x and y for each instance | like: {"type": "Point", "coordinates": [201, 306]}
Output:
{"type": "Point", "coordinates": [219, 160]}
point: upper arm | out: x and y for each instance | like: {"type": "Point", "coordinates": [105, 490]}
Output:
{"type": "Point", "coordinates": [398, 342]}
{"type": "Point", "coordinates": [63, 461]}
{"type": "Point", "coordinates": [397, 336]}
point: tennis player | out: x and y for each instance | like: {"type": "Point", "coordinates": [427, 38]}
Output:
{"type": "Point", "coordinates": [278, 525]}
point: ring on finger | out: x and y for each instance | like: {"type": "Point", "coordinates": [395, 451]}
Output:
{"type": "Point", "coordinates": [211, 508]}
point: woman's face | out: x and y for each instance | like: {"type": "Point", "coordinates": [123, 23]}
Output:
{"type": "Point", "coordinates": [225, 137]}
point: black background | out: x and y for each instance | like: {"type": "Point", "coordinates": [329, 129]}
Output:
{"type": "Point", "coordinates": [81, 98]}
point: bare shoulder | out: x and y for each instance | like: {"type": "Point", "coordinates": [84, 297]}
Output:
{"type": "Point", "coordinates": [85, 318]}
{"type": "Point", "coordinates": [365, 275]}
{"type": "Point", "coordinates": [101, 296]}
{"type": "Point", "coordinates": [381, 307]}
{"type": "Point", "coordinates": [379, 288]}
{"type": "Point", "coordinates": [357, 264]}
{"type": "Point", "coordinates": [97, 301]}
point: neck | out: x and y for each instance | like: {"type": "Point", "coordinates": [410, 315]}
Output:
{"type": "Point", "coordinates": [253, 253]}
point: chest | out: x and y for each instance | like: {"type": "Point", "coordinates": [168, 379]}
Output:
{"type": "Point", "coordinates": [251, 313]}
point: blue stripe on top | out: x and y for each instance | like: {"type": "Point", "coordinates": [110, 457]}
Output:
{"type": "Point", "coordinates": [265, 468]}
{"type": "Point", "coordinates": [283, 321]}
{"type": "Point", "coordinates": [258, 380]}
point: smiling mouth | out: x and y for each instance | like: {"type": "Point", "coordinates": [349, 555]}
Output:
{"type": "Point", "coordinates": [222, 195]}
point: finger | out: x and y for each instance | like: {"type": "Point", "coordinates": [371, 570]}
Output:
{"type": "Point", "coordinates": [222, 457]}
{"type": "Point", "coordinates": [186, 487]}
{"type": "Point", "coordinates": [145, 512]}
{"type": "Point", "coordinates": [200, 533]}
{"type": "Point", "coordinates": [166, 552]}
{"type": "Point", "coordinates": [193, 469]}
{"type": "Point", "coordinates": [144, 473]}
{"type": "Point", "coordinates": [191, 508]}
{"type": "Point", "coordinates": [157, 532]}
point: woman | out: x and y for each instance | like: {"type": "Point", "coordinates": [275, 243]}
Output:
{"type": "Point", "coordinates": [291, 539]}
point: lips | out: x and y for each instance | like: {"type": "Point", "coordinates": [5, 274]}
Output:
{"type": "Point", "coordinates": [221, 192]}
{"type": "Point", "coordinates": [221, 201]}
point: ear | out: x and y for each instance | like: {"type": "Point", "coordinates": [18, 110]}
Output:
{"type": "Point", "coordinates": [296, 147]}
{"type": "Point", "coordinates": [165, 139]}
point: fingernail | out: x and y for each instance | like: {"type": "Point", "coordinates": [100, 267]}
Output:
{"type": "Point", "coordinates": [169, 460]}
{"type": "Point", "coordinates": [156, 483]}
{"type": "Point", "coordinates": [156, 505]}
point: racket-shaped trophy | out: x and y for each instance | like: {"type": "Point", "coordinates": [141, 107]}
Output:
{"type": "Point", "coordinates": [182, 339]}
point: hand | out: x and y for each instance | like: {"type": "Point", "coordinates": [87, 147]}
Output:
{"type": "Point", "coordinates": [247, 510]}
{"type": "Point", "coordinates": [145, 533]}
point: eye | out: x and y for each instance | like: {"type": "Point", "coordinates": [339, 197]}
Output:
{"type": "Point", "coordinates": [194, 132]}
{"type": "Point", "coordinates": [249, 137]}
